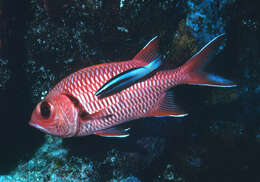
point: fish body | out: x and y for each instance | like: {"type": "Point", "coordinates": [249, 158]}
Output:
{"type": "Point", "coordinates": [72, 107]}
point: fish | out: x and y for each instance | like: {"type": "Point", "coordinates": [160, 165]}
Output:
{"type": "Point", "coordinates": [127, 78]}
{"type": "Point", "coordinates": [73, 107]}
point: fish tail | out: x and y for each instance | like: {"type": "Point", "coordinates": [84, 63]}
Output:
{"type": "Point", "coordinates": [194, 67]}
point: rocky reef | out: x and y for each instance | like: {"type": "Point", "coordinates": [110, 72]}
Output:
{"type": "Point", "coordinates": [42, 41]}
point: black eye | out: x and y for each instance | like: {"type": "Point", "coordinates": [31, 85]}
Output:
{"type": "Point", "coordinates": [45, 109]}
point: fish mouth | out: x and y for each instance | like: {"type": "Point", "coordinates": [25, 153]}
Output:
{"type": "Point", "coordinates": [37, 126]}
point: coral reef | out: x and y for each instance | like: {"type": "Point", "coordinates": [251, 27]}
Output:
{"type": "Point", "coordinates": [52, 163]}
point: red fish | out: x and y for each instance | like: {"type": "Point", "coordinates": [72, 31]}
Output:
{"type": "Point", "coordinates": [72, 107]}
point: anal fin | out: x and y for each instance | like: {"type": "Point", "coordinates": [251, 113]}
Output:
{"type": "Point", "coordinates": [113, 132]}
{"type": "Point", "coordinates": [167, 107]}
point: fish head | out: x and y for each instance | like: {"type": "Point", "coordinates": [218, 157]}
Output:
{"type": "Point", "coordinates": [56, 116]}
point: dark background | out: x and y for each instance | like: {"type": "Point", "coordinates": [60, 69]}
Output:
{"type": "Point", "coordinates": [220, 138]}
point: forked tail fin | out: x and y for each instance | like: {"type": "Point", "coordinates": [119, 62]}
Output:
{"type": "Point", "coordinates": [194, 68]}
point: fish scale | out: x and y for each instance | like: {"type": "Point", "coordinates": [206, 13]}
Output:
{"type": "Point", "coordinates": [138, 106]}
{"type": "Point", "coordinates": [118, 105]}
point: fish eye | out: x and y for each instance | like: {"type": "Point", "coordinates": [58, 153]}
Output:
{"type": "Point", "coordinates": [45, 109]}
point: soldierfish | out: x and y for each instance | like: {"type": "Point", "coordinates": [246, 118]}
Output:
{"type": "Point", "coordinates": [129, 91]}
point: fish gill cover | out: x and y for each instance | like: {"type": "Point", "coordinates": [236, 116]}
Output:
{"type": "Point", "coordinates": [42, 41]}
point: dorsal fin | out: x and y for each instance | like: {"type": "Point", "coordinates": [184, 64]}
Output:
{"type": "Point", "coordinates": [150, 52]}
{"type": "Point", "coordinates": [167, 107]}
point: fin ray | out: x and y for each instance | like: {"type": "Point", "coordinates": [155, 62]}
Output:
{"type": "Point", "coordinates": [149, 52]}
{"type": "Point", "coordinates": [167, 107]}
{"type": "Point", "coordinates": [113, 132]}
{"type": "Point", "coordinates": [194, 67]}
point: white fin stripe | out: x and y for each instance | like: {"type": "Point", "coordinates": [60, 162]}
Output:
{"type": "Point", "coordinates": [119, 136]}
{"type": "Point", "coordinates": [149, 42]}
{"type": "Point", "coordinates": [177, 116]}
{"type": "Point", "coordinates": [211, 85]}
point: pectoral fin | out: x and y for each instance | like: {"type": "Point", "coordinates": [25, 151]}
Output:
{"type": "Point", "coordinates": [113, 132]}
{"type": "Point", "coordinates": [84, 117]}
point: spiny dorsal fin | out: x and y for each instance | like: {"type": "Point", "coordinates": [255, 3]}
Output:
{"type": "Point", "coordinates": [167, 107]}
{"type": "Point", "coordinates": [150, 52]}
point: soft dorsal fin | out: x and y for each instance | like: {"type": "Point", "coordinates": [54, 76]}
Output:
{"type": "Point", "coordinates": [167, 107]}
{"type": "Point", "coordinates": [114, 132]}
{"type": "Point", "coordinates": [150, 52]}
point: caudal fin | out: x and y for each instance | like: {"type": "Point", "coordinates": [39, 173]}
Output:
{"type": "Point", "coordinates": [196, 64]}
